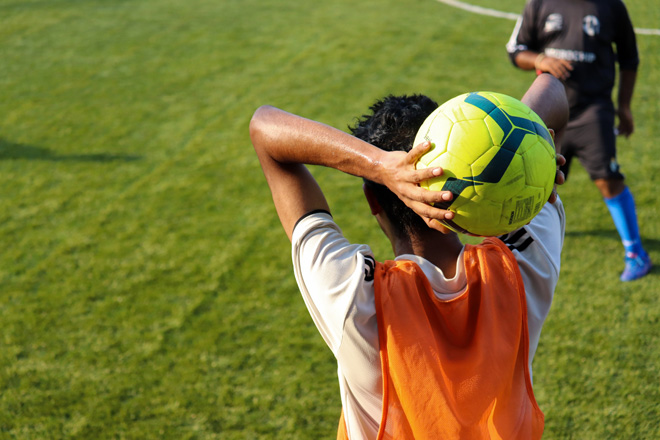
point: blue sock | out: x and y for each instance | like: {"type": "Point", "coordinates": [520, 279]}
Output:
{"type": "Point", "coordinates": [622, 209]}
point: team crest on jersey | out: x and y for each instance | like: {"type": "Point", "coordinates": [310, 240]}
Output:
{"type": "Point", "coordinates": [554, 22]}
{"type": "Point", "coordinates": [591, 25]}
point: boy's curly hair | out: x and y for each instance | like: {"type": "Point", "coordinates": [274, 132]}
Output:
{"type": "Point", "coordinates": [392, 126]}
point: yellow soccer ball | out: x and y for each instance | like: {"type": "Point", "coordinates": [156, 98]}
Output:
{"type": "Point", "coordinates": [498, 159]}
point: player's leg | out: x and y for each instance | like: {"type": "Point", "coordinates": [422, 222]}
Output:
{"type": "Point", "coordinates": [599, 159]}
{"type": "Point", "coordinates": [623, 211]}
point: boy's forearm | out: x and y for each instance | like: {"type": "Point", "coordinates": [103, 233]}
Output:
{"type": "Point", "coordinates": [627, 79]}
{"type": "Point", "coordinates": [288, 139]}
{"type": "Point", "coordinates": [285, 143]}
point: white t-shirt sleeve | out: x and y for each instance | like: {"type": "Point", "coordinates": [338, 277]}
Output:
{"type": "Point", "coordinates": [537, 248]}
{"type": "Point", "coordinates": [335, 279]}
{"type": "Point", "coordinates": [331, 273]}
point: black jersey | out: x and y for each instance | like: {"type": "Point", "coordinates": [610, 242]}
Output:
{"type": "Point", "coordinates": [583, 32]}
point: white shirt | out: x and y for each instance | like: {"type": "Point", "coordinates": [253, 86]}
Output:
{"type": "Point", "coordinates": [335, 279]}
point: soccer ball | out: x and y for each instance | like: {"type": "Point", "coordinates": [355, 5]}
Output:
{"type": "Point", "coordinates": [498, 159]}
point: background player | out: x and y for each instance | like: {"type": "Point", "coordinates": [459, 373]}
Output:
{"type": "Point", "coordinates": [573, 40]}
{"type": "Point", "coordinates": [442, 325]}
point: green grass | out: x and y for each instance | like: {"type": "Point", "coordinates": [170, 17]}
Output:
{"type": "Point", "coordinates": [145, 282]}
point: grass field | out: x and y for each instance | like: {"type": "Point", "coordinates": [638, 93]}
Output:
{"type": "Point", "coordinates": [145, 283]}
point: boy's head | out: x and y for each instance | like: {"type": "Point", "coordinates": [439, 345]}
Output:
{"type": "Point", "coordinates": [392, 126]}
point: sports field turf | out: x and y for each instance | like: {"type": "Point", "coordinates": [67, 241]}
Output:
{"type": "Point", "coordinates": [145, 282]}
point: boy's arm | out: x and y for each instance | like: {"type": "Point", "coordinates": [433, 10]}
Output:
{"type": "Point", "coordinates": [285, 142]}
{"type": "Point", "coordinates": [547, 97]}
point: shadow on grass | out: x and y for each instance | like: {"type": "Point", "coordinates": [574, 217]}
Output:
{"type": "Point", "coordinates": [10, 150]}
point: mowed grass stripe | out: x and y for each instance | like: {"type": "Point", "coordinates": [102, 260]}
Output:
{"type": "Point", "coordinates": [106, 129]}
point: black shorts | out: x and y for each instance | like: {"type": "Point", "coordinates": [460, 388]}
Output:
{"type": "Point", "coordinates": [590, 137]}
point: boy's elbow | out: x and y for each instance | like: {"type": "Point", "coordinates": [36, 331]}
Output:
{"type": "Point", "coordinates": [257, 123]}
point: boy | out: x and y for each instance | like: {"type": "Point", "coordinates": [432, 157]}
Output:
{"type": "Point", "coordinates": [439, 342]}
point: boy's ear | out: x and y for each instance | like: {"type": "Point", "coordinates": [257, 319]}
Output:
{"type": "Point", "coordinates": [371, 199]}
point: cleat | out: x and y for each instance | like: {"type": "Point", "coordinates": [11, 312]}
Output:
{"type": "Point", "coordinates": [637, 265]}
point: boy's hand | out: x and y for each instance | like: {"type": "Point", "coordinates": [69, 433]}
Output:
{"type": "Point", "coordinates": [559, 177]}
{"type": "Point", "coordinates": [403, 179]}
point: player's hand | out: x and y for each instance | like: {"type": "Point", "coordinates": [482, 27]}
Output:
{"type": "Point", "coordinates": [626, 125]}
{"type": "Point", "coordinates": [403, 179]}
{"type": "Point", "coordinates": [560, 178]}
{"type": "Point", "coordinates": [558, 68]}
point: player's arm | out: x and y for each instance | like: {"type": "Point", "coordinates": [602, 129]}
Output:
{"type": "Point", "coordinates": [627, 79]}
{"type": "Point", "coordinates": [547, 97]}
{"type": "Point", "coordinates": [628, 59]}
{"type": "Point", "coordinates": [525, 49]}
{"type": "Point", "coordinates": [284, 143]}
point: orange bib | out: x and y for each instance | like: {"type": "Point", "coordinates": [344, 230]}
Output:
{"type": "Point", "coordinates": [455, 369]}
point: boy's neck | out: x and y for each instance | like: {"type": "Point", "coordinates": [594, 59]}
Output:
{"type": "Point", "coordinates": [440, 249]}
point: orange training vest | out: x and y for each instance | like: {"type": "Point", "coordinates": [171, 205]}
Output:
{"type": "Point", "coordinates": [455, 369]}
